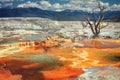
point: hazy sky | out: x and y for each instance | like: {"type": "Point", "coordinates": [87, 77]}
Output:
{"type": "Point", "coordinates": [58, 5]}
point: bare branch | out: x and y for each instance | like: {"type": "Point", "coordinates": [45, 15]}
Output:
{"type": "Point", "coordinates": [88, 21]}
{"type": "Point", "coordinates": [96, 25]}
{"type": "Point", "coordinates": [104, 26]}
{"type": "Point", "coordinates": [101, 7]}
{"type": "Point", "coordinates": [100, 14]}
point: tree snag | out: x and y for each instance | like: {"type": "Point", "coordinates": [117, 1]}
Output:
{"type": "Point", "coordinates": [96, 25]}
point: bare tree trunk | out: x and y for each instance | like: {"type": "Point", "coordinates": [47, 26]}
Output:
{"type": "Point", "coordinates": [96, 25]}
{"type": "Point", "coordinates": [96, 35]}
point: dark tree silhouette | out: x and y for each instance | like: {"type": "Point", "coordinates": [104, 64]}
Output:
{"type": "Point", "coordinates": [96, 25]}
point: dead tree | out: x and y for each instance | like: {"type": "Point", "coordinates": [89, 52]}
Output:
{"type": "Point", "coordinates": [96, 25]}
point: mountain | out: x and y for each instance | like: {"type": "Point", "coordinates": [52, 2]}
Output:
{"type": "Point", "coordinates": [35, 12]}
{"type": "Point", "coordinates": [62, 15]}
{"type": "Point", "coordinates": [115, 18]}
{"type": "Point", "coordinates": [112, 16]}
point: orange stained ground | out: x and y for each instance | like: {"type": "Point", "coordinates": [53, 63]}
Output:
{"type": "Point", "coordinates": [94, 52]}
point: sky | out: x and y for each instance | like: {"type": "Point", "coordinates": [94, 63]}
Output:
{"type": "Point", "coordinates": [59, 5]}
